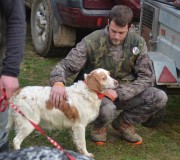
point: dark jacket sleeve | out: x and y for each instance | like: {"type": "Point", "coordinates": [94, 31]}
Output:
{"type": "Point", "coordinates": [14, 14]}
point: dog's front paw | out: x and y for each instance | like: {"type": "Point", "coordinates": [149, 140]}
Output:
{"type": "Point", "coordinates": [89, 155]}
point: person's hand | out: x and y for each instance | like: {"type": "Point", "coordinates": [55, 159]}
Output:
{"type": "Point", "coordinates": [58, 94]}
{"type": "Point", "coordinates": [9, 84]}
{"type": "Point", "coordinates": [112, 94]}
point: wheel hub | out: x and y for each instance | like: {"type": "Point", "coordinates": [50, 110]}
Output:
{"type": "Point", "coordinates": [41, 22]}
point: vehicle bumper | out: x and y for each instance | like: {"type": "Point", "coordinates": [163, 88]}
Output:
{"type": "Point", "coordinates": [83, 18]}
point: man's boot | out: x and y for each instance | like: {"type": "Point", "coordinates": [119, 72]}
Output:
{"type": "Point", "coordinates": [127, 131]}
{"type": "Point", "coordinates": [99, 135]}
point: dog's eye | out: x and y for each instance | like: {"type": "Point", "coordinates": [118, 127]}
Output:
{"type": "Point", "coordinates": [104, 78]}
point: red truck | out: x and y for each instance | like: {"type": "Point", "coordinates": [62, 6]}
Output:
{"type": "Point", "coordinates": [61, 23]}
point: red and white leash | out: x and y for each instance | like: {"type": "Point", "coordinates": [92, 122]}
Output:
{"type": "Point", "coordinates": [4, 106]}
{"type": "Point", "coordinates": [3, 98]}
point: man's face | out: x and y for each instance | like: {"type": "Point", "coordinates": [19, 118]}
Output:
{"type": "Point", "coordinates": [117, 34]}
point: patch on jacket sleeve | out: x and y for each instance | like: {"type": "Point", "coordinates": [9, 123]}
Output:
{"type": "Point", "coordinates": [135, 51]}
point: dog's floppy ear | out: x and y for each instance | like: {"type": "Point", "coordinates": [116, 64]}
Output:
{"type": "Point", "coordinates": [93, 83]}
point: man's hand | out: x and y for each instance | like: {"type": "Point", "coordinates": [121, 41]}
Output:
{"type": "Point", "coordinates": [112, 94]}
{"type": "Point", "coordinates": [58, 94]}
{"type": "Point", "coordinates": [10, 84]}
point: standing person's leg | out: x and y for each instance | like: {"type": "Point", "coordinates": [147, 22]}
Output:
{"type": "Point", "coordinates": [140, 109]}
{"type": "Point", "coordinates": [3, 115]}
{"type": "Point", "coordinates": [3, 134]}
{"type": "Point", "coordinates": [105, 117]}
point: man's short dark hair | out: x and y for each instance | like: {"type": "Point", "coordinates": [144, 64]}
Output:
{"type": "Point", "coordinates": [121, 15]}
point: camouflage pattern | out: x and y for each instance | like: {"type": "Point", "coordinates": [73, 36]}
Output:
{"type": "Point", "coordinates": [96, 51]}
{"type": "Point", "coordinates": [119, 60]}
{"type": "Point", "coordinates": [133, 70]}
{"type": "Point", "coordinates": [138, 109]}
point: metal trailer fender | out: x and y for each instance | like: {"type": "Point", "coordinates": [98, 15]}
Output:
{"type": "Point", "coordinates": [165, 69]}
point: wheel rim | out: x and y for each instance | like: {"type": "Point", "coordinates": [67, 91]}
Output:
{"type": "Point", "coordinates": [41, 23]}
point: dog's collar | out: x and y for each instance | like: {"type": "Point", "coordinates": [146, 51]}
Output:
{"type": "Point", "coordinates": [100, 95]}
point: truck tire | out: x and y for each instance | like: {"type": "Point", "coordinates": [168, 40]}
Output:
{"type": "Point", "coordinates": [41, 27]}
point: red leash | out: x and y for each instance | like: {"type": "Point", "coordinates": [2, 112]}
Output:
{"type": "Point", "coordinates": [2, 109]}
{"type": "Point", "coordinates": [3, 98]}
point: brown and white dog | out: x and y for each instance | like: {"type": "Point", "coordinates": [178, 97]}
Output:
{"type": "Point", "coordinates": [81, 108]}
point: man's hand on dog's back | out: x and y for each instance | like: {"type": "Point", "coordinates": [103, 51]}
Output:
{"type": "Point", "coordinates": [58, 94]}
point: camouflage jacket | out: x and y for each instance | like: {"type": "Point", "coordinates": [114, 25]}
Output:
{"type": "Point", "coordinates": [129, 63]}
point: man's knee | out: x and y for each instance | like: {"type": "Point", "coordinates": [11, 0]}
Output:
{"type": "Point", "coordinates": [155, 97]}
{"type": "Point", "coordinates": [107, 110]}
{"type": "Point", "coordinates": [161, 98]}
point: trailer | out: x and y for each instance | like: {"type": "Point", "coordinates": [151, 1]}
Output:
{"type": "Point", "coordinates": [160, 27]}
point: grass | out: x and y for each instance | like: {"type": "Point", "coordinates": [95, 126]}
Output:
{"type": "Point", "coordinates": [161, 143]}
